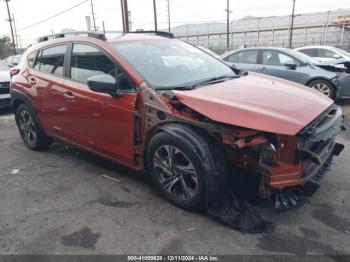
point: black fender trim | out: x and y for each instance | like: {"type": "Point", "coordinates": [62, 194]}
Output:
{"type": "Point", "coordinates": [210, 150]}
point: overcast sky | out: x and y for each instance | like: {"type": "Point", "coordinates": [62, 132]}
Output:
{"type": "Point", "coordinates": [182, 11]}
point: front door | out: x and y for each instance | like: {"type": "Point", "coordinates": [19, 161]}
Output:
{"type": "Point", "coordinates": [95, 120]}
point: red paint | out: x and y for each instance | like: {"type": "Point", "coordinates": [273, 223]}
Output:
{"type": "Point", "coordinates": [258, 102]}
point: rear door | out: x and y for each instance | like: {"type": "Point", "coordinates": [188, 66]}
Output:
{"type": "Point", "coordinates": [46, 78]}
{"type": "Point", "coordinates": [274, 64]}
{"type": "Point", "coordinates": [96, 120]}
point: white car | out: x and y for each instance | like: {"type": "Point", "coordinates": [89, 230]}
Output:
{"type": "Point", "coordinates": [324, 53]}
{"type": "Point", "coordinates": [5, 79]}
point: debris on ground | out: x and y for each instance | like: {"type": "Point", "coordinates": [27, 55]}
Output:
{"type": "Point", "coordinates": [190, 229]}
{"type": "Point", "coordinates": [240, 215]}
{"type": "Point", "coordinates": [15, 171]}
{"type": "Point", "coordinates": [111, 178]}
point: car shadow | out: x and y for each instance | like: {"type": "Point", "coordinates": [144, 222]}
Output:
{"type": "Point", "coordinates": [6, 111]}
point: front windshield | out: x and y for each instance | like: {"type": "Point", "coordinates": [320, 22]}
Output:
{"type": "Point", "coordinates": [169, 63]}
{"type": "Point", "coordinates": [343, 52]}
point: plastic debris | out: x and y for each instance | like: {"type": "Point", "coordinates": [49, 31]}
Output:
{"type": "Point", "coordinates": [15, 171]}
{"type": "Point", "coordinates": [240, 215]}
{"type": "Point", "coordinates": [190, 229]}
{"type": "Point", "coordinates": [111, 178]}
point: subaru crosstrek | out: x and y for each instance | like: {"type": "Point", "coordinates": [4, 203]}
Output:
{"type": "Point", "coordinates": [152, 102]}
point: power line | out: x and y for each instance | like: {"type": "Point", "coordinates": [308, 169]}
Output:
{"type": "Point", "coordinates": [55, 15]}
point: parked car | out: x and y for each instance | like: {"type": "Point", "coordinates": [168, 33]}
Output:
{"type": "Point", "coordinates": [342, 68]}
{"type": "Point", "coordinates": [287, 64]}
{"type": "Point", "coordinates": [5, 80]}
{"type": "Point", "coordinates": [324, 53]}
{"type": "Point", "coordinates": [13, 60]}
{"type": "Point", "coordinates": [187, 126]}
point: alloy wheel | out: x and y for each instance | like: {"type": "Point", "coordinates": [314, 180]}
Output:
{"type": "Point", "coordinates": [27, 128]}
{"type": "Point", "coordinates": [175, 172]}
{"type": "Point", "coordinates": [323, 88]}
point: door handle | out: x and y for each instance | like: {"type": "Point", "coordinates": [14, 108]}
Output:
{"type": "Point", "coordinates": [264, 69]}
{"type": "Point", "coordinates": [69, 95]}
{"type": "Point", "coordinates": [32, 80]}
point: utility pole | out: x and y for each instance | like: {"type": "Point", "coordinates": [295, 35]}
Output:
{"type": "Point", "coordinates": [228, 25]}
{"type": "Point", "coordinates": [168, 5]}
{"type": "Point", "coordinates": [10, 20]}
{"type": "Point", "coordinates": [103, 27]}
{"type": "Point", "coordinates": [291, 26]}
{"type": "Point", "coordinates": [15, 30]}
{"type": "Point", "coordinates": [155, 15]}
{"type": "Point", "coordinates": [125, 15]}
{"type": "Point", "coordinates": [93, 14]}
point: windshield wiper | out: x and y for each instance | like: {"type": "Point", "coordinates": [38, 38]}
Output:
{"type": "Point", "coordinates": [209, 81]}
{"type": "Point", "coordinates": [214, 80]}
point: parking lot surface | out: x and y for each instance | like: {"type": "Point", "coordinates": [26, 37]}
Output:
{"type": "Point", "coordinates": [66, 201]}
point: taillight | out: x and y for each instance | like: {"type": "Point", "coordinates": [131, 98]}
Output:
{"type": "Point", "coordinates": [14, 71]}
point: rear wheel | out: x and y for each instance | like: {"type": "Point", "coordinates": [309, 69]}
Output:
{"type": "Point", "coordinates": [324, 87]}
{"type": "Point", "coordinates": [180, 171]}
{"type": "Point", "coordinates": [30, 130]}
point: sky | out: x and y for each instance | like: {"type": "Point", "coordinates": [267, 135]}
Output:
{"type": "Point", "coordinates": [28, 12]}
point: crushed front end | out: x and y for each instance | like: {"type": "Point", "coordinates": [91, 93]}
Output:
{"type": "Point", "coordinates": [290, 167]}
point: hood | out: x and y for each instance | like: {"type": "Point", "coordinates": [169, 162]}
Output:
{"type": "Point", "coordinates": [258, 102]}
{"type": "Point", "coordinates": [5, 76]}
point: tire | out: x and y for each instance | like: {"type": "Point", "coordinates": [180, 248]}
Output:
{"type": "Point", "coordinates": [30, 129]}
{"type": "Point", "coordinates": [323, 87]}
{"type": "Point", "coordinates": [198, 170]}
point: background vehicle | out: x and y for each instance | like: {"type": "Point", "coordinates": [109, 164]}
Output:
{"type": "Point", "coordinates": [13, 60]}
{"type": "Point", "coordinates": [324, 53]}
{"type": "Point", "coordinates": [287, 64]}
{"type": "Point", "coordinates": [4, 85]}
{"type": "Point", "coordinates": [128, 101]}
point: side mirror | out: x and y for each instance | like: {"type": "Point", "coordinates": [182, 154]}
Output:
{"type": "Point", "coordinates": [336, 56]}
{"type": "Point", "coordinates": [103, 84]}
{"type": "Point", "coordinates": [291, 65]}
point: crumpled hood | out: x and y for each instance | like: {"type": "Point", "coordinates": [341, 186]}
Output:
{"type": "Point", "coordinates": [258, 102]}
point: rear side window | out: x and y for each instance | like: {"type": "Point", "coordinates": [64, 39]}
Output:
{"type": "Point", "coordinates": [31, 58]}
{"type": "Point", "coordinates": [244, 57]}
{"type": "Point", "coordinates": [87, 61]}
{"type": "Point", "coordinates": [51, 60]}
{"type": "Point", "coordinates": [310, 52]}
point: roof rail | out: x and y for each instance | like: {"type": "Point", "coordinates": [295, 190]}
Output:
{"type": "Point", "coordinates": [93, 34]}
{"type": "Point", "coordinates": [160, 33]}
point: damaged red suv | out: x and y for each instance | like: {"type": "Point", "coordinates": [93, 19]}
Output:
{"type": "Point", "coordinates": [151, 102]}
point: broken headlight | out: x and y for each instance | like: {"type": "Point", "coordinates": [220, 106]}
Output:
{"type": "Point", "coordinates": [267, 154]}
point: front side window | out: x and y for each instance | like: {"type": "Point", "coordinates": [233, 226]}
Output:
{"type": "Point", "coordinates": [169, 63]}
{"type": "Point", "coordinates": [89, 61]}
{"type": "Point", "coordinates": [310, 52]}
{"type": "Point", "coordinates": [276, 58]}
{"type": "Point", "coordinates": [51, 60]}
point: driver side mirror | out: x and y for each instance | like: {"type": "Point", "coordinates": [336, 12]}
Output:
{"type": "Point", "coordinates": [336, 56]}
{"type": "Point", "coordinates": [103, 84]}
{"type": "Point", "coordinates": [291, 65]}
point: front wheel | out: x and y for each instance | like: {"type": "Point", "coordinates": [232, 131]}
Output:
{"type": "Point", "coordinates": [180, 171]}
{"type": "Point", "coordinates": [324, 87]}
